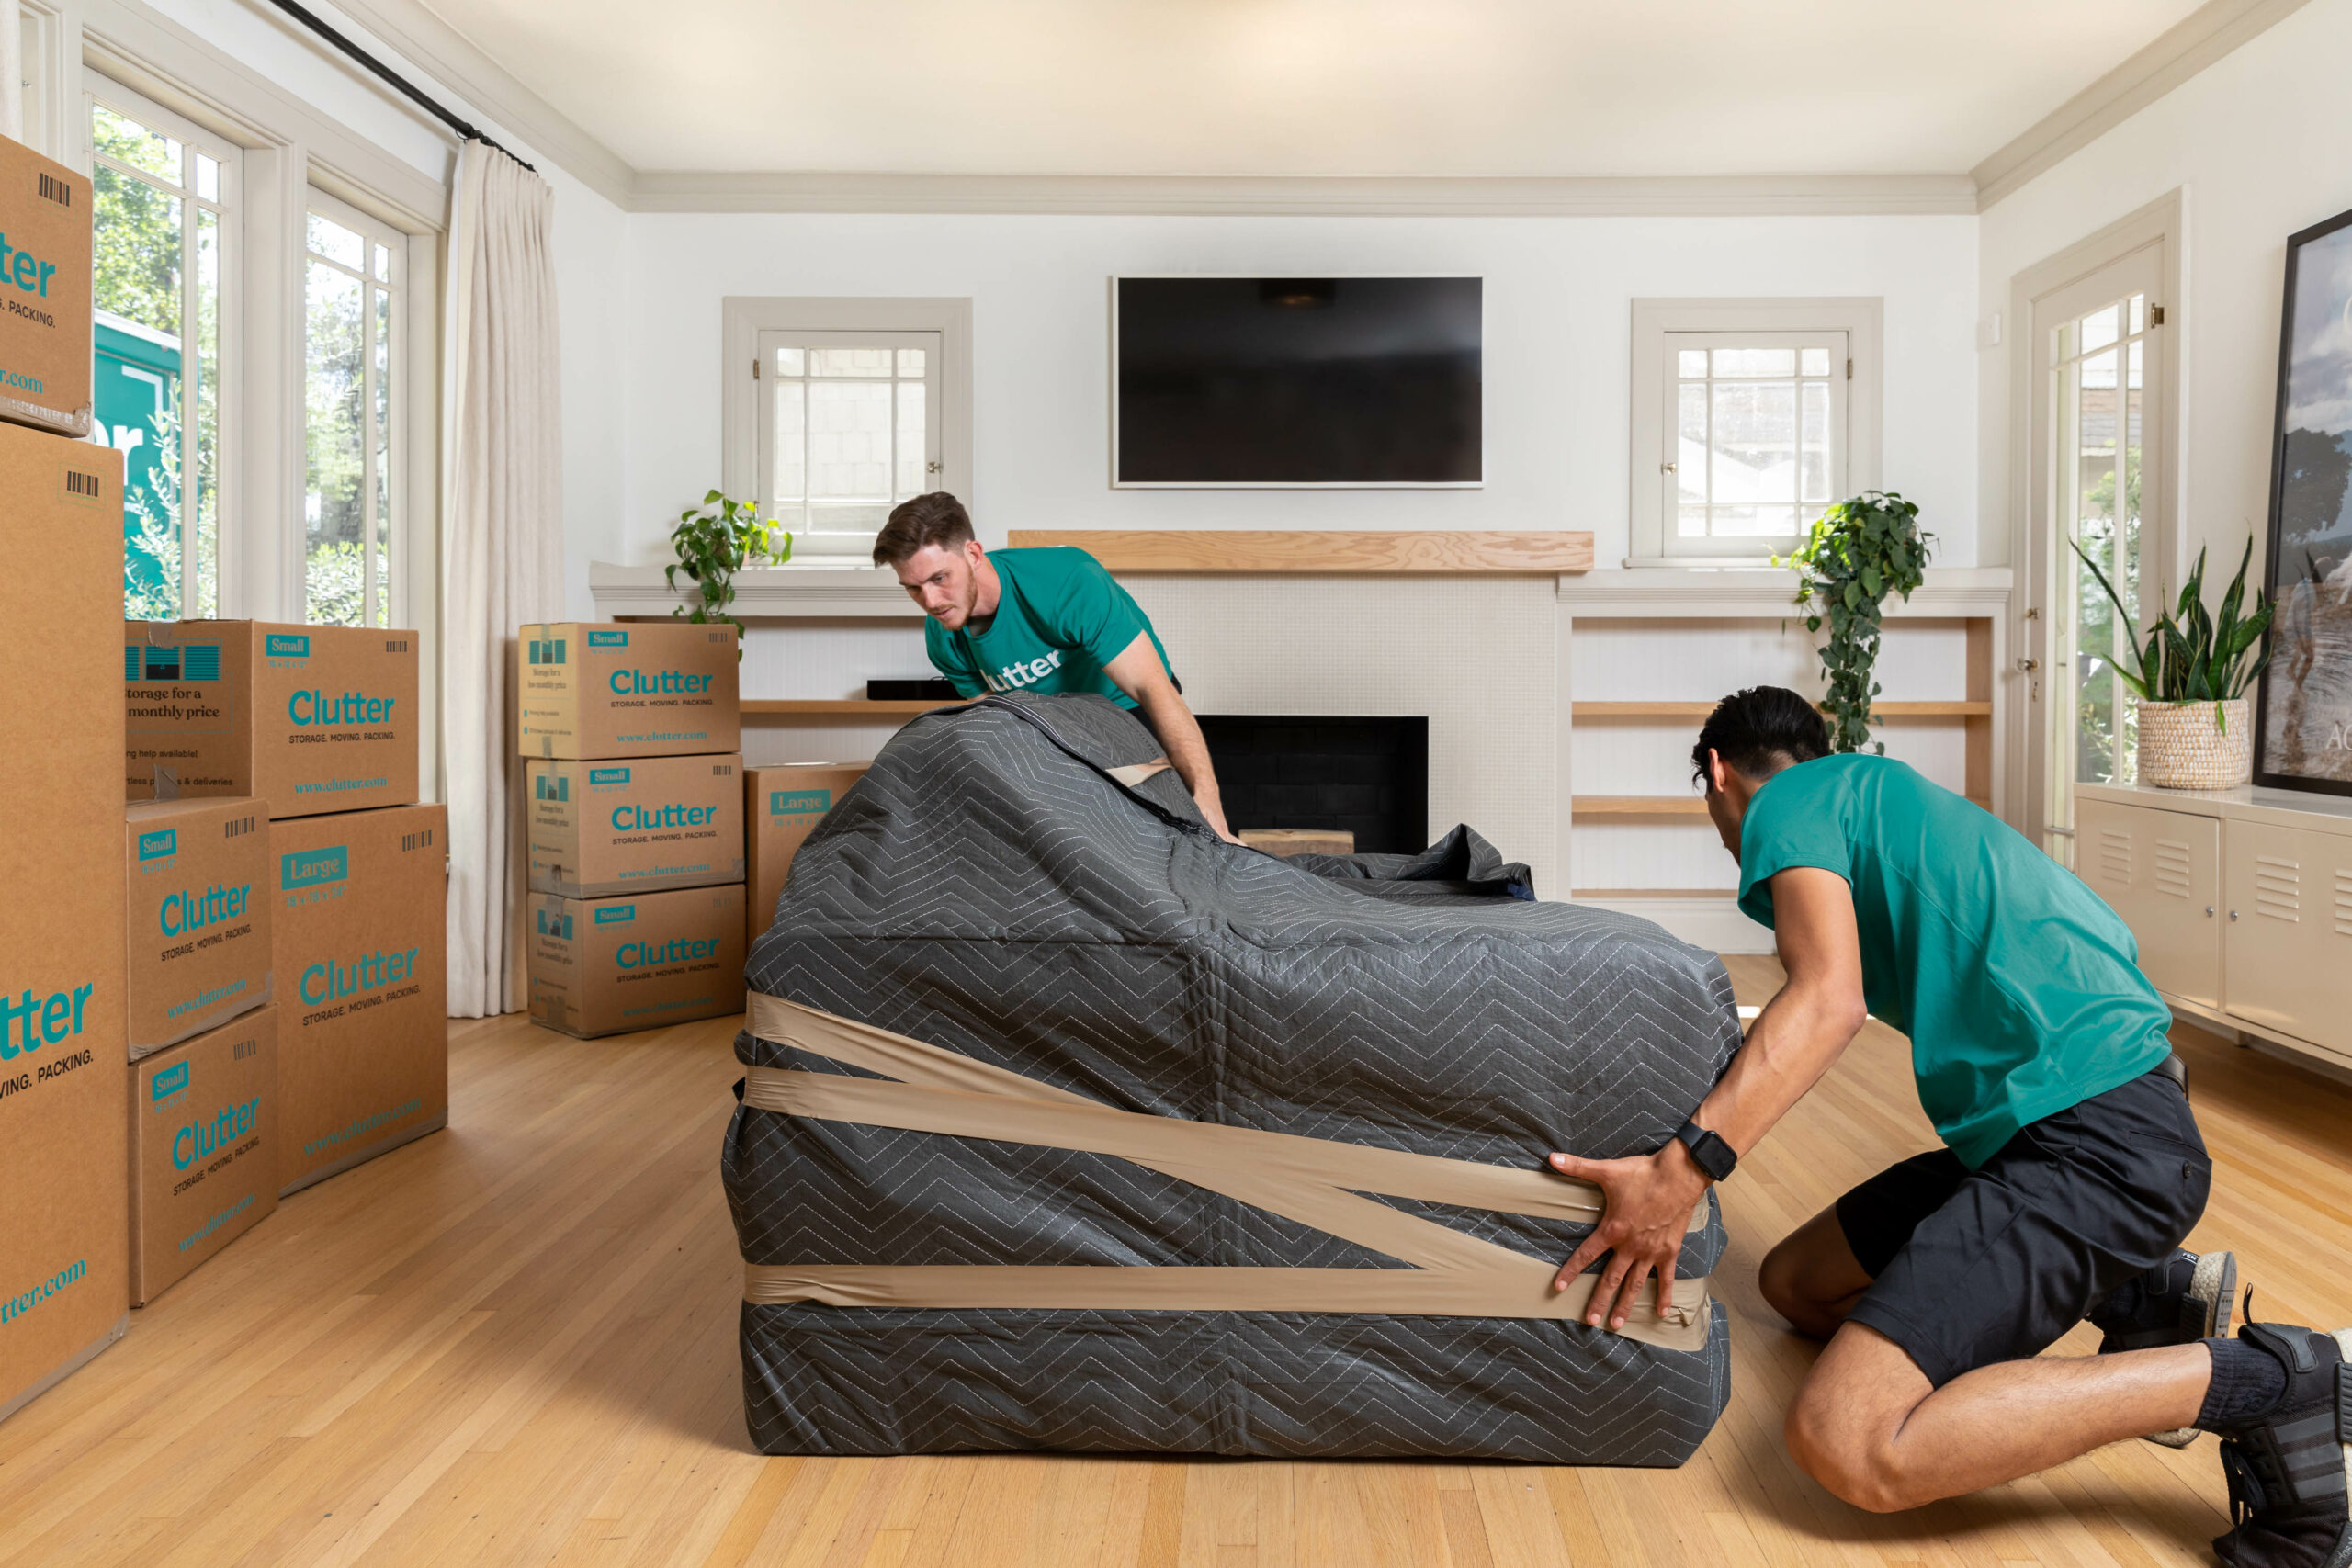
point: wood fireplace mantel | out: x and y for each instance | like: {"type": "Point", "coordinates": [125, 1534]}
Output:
{"type": "Point", "coordinates": [1324, 552]}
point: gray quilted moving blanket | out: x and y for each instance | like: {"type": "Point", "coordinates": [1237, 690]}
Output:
{"type": "Point", "coordinates": [991, 889]}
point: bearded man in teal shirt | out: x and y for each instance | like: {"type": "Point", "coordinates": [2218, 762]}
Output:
{"type": "Point", "coordinates": [1040, 620]}
{"type": "Point", "coordinates": [2071, 1170]}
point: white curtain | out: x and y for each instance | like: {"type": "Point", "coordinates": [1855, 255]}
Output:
{"type": "Point", "coordinates": [501, 550]}
{"type": "Point", "coordinates": [12, 70]}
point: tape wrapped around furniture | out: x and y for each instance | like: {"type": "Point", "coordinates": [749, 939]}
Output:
{"type": "Point", "coordinates": [1312, 1181]}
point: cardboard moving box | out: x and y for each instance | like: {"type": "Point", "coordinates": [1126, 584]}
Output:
{"type": "Point", "coordinates": [44, 293]}
{"type": "Point", "coordinates": [203, 1149]}
{"type": "Point", "coordinates": [646, 689]}
{"type": "Point", "coordinates": [644, 825]}
{"type": "Point", "coordinates": [610, 965]}
{"type": "Point", "coordinates": [306, 718]}
{"type": "Point", "coordinates": [781, 806]}
{"type": "Point", "coordinates": [196, 923]}
{"type": "Point", "coordinates": [363, 1037]}
{"type": "Point", "coordinates": [65, 1247]}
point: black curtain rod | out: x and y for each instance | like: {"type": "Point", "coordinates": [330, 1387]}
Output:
{"type": "Point", "coordinates": [401, 85]}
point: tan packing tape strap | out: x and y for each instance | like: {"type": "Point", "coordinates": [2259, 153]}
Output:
{"type": "Point", "coordinates": [1307, 1197]}
{"type": "Point", "coordinates": [1360, 1168]}
{"type": "Point", "coordinates": [1119, 1288]}
{"type": "Point", "coordinates": [1134, 773]}
{"type": "Point", "coordinates": [1305, 1179]}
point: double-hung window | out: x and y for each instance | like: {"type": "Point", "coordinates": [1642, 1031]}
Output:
{"type": "Point", "coordinates": [353, 331]}
{"type": "Point", "coordinates": [834, 411]}
{"type": "Point", "coordinates": [847, 432]}
{"type": "Point", "coordinates": [165, 296]}
{"type": "Point", "coordinates": [1750, 418]}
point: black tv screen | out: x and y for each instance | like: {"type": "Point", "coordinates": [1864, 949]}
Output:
{"type": "Point", "coordinates": [1297, 381]}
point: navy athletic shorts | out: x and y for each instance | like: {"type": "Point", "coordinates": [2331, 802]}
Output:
{"type": "Point", "coordinates": [1972, 1267]}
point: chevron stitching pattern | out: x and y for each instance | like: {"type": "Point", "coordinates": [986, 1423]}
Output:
{"type": "Point", "coordinates": [984, 889]}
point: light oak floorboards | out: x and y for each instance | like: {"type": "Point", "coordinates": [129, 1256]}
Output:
{"type": "Point", "coordinates": [514, 1342]}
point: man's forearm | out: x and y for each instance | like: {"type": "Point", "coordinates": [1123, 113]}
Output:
{"type": "Point", "coordinates": [1188, 752]}
{"type": "Point", "coordinates": [1796, 1039]}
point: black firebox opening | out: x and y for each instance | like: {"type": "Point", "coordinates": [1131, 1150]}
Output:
{"type": "Point", "coordinates": [1368, 776]}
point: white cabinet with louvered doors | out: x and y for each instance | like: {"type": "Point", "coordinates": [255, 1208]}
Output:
{"type": "Point", "coordinates": [2241, 900]}
{"type": "Point", "coordinates": [2162, 871]}
{"type": "Point", "coordinates": [2289, 948]}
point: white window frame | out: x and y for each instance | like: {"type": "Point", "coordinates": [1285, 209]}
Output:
{"type": "Point", "coordinates": [743, 402]}
{"type": "Point", "coordinates": [373, 232]}
{"type": "Point", "coordinates": [1661, 327]}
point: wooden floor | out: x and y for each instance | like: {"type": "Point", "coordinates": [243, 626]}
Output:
{"type": "Point", "coordinates": [514, 1342]}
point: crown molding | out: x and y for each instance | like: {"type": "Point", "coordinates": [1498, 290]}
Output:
{"type": "Point", "coordinates": [1297, 195]}
{"type": "Point", "coordinates": [2206, 35]}
{"type": "Point", "coordinates": [489, 92]}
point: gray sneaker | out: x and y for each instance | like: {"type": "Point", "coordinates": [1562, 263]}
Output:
{"type": "Point", "coordinates": [2184, 1299]}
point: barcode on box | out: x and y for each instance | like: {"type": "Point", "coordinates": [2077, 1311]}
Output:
{"type": "Point", "coordinates": [56, 190]}
{"type": "Point", "coordinates": [79, 483]}
{"type": "Point", "coordinates": [396, 645]}
{"type": "Point", "coordinates": [723, 770]}
{"type": "Point", "coordinates": [420, 840]}
{"type": "Point", "coordinates": [244, 1048]}
{"type": "Point", "coordinates": [238, 827]}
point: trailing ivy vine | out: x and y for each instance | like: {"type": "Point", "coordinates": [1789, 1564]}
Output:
{"type": "Point", "coordinates": [713, 543]}
{"type": "Point", "coordinates": [1858, 553]}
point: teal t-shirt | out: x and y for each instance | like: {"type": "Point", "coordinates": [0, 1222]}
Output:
{"type": "Point", "coordinates": [2019, 987]}
{"type": "Point", "coordinates": [1060, 619]}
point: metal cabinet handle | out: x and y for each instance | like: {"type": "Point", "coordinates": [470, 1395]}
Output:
{"type": "Point", "coordinates": [2233, 914]}
{"type": "Point", "coordinates": [2208, 911]}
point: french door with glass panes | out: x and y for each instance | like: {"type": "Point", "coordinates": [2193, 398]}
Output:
{"type": "Point", "coordinates": [2096, 429]}
{"type": "Point", "coordinates": [165, 209]}
{"type": "Point", "coordinates": [849, 427]}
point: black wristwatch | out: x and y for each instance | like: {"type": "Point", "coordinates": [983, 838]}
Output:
{"type": "Point", "coordinates": [1708, 1152]}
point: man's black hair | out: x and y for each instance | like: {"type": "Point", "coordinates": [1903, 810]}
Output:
{"type": "Point", "coordinates": [1760, 731]}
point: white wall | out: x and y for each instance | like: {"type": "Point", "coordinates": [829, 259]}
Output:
{"type": "Point", "coordinates": [2261, 144]}
{"type": "Point", "coordinates": [1557, 378]}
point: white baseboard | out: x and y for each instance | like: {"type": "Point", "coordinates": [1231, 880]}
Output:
{"type": "Point", "coordinates": [1713, 923]}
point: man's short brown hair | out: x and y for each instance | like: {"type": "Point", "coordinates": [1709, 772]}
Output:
{"type": "Point", "coordinates": [914, 525]}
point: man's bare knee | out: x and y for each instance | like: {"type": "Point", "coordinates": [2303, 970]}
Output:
{"type": "Point", "coordinates": [1842, 1426]}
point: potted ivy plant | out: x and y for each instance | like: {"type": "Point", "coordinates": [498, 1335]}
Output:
{"type": "Point", "coordinates": [1857, 552]}
{"type": "Point", "coordinates": [2196, 726]}
{"type": "Point", "coordinates": [714, 541]}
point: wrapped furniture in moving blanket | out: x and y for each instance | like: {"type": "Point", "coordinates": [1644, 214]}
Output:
{"type": "Point", "coordinates": [1067, 1125]}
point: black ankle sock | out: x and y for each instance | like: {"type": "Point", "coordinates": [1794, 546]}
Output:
{"type": "Point", "coordinates": [2123, 1305]}
{"type": "Point", "coordinates": [2248, 1382]}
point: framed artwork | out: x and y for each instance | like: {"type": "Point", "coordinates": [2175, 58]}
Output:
{"type": "Point", "coordinates": [2303, 733]}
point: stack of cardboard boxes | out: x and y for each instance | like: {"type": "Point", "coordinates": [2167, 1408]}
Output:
{"type": "Point", "coordinates": [203, 1033]}
{"type": "Point", "coordinates": [65, 1255]}
{"type": "Point", "coordinates": [634, 812]}
{"type": "Point", "coordinates": [317, 728]}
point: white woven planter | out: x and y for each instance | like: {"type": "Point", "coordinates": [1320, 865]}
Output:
{"type": "Point", "coordinates": [2182, 746]}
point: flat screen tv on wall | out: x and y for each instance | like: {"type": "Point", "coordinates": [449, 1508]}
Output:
{"type": "Point", "coordinates": [1268, 382]}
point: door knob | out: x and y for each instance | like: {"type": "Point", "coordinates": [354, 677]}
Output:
{"type": "Point", "coordinates": [2029, 665]}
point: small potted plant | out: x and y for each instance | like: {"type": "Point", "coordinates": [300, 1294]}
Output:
{"type": "Point", "coordinates": [1857, 552]}
{"type": "Point", "coordinates": [714, 542]}
{"type": "Point", "coordinates": [2196, 726]}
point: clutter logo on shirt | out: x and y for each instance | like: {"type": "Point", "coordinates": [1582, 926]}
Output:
{"type": "Point", "coordinates": [1010, 677]}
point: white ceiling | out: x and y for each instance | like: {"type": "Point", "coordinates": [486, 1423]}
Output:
{"type": "Point", "coordinates": [1311, 88]}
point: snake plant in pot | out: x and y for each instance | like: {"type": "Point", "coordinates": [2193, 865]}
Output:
{"type": "Point", "coordinates": [2196, 725]}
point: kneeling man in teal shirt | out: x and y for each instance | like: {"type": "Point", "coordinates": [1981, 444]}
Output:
{"type": "Point", "coordinates": [2070, 1173]}
{"type": "Point", "coordinates": [1040, 620]}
